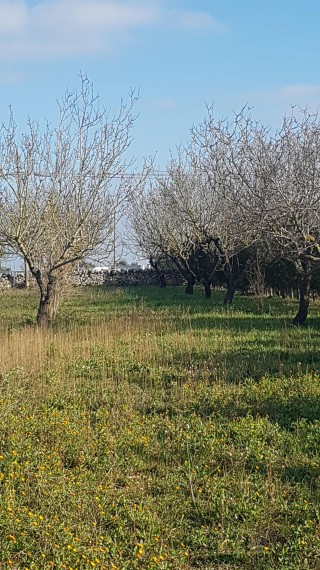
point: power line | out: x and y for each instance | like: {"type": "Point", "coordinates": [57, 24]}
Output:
{"type": "Point", "coordinates": [154, 175]}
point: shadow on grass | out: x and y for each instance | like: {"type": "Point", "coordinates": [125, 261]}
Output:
{"type": "Point", "coordinates": [243, 314]}
{"type": "Point", "coordinates": [282, 401]}
{"type": "Point", "coordinates": [301, 474]}
{"type": "Point", "coordinates": [219, 561]}
{"type": "Point", "coordinates": [235, 366]}
{"type": "Point", "coordinates": [285, 414]}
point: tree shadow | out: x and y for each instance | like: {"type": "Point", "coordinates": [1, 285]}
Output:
{"type": "Point", "coordinates": [301, 474]}
{"type": "Point", "coordinates": [243, 314]}
{"type": "Point", "coordinates": [285, 413]}
{"type": "Point", "coordinates": [236, 365]}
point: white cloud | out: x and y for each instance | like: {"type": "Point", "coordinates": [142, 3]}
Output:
{"type": "Point", "coordinates": [300, 92]}
{"type": "Point", "coordinates": [13, 17]}
{"type": "Point", "coordinates": [271, 105]}
{"type": "Point", "coordinates": [165, 103]}
{"type": "Point", "coordinates": [78, 27]}
{"type": "Point", "coordinates": [9, 78]}
{"type": "Point", "coordinates": [68, 27]}
{"type": "Point", "coordinates": [93, 14]}
{"type": "Point", "coordinates": [282, 99]}
{"type": "Point", "coordinates": [197, 21]}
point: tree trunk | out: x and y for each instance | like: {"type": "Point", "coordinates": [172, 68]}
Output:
{"type": "Point", "coordinates": [189, 287]}
{"type": "Point", "coordinates": [44, 313]}
{"type": "Point", "coordinates": [49, 302]}
{"type": "Point", "coordinates": [305, 273]}
{"type": "Point", "coordinates": [231, 284]}
{"type": "Point", "coordinates": [207, 289]}
{"type": "Point", "coordinates": [26, 275]}
{"type": "Point", "coordinates": [231, 289]}
{"type": "Point", "coordinates": [162, 281]}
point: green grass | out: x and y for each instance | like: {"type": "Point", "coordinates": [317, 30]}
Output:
{"type": "Point", "coordinates": [148, 429]}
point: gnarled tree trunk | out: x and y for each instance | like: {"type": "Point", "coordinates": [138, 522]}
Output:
{"type": "Point", "coordinates": [305, 274]}
{"type": "Point", "coordinates": [50, 295]}
{"type": "Point", "coordinates": [190, 284]}
{"type": "Point", "coordinates": [231, 289]}
{"type": "Point", "coordinates": [233, 271]}
{"type": "Point", "coordinates": [187, 273]}
{"type": "Point", "coordinates": [162, 281]}
{"type": "Point", "coordinates": [207, 289]}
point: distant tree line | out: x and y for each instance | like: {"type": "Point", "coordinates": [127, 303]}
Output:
{"type": "Point", "coordinates": [239, 207]}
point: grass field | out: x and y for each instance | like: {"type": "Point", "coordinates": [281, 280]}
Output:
{"type": "Point", "coordinates": [150, 430]}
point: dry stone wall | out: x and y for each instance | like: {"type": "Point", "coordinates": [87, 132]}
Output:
{"type": "Point", "coordinates": [126, 278]}
{"type": "Point", "coordinates": [146, 277]}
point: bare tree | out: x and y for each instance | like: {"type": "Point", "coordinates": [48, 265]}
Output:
{"type": "Point", "coordinates": [175, 219]}
{"type": "Point", "coordinates": [60, 187]}
{"type": "Point", "coordinates": [234, 188]}
{"type": "Point", "coordinates": [231, 156]}
{"type": "Point", "coordinates": [292, 207]}
{"type": "Point", "coordinates": [197, 215]}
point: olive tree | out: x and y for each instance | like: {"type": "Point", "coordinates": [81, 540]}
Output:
{"type": "Point", "coordinates": [61, 186]}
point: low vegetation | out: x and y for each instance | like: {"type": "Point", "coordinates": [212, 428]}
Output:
{"type": "Point", "coordinates": [147, 429]}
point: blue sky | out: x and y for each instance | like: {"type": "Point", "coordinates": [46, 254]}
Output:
{"type": "Point", "coordinates": [179, 54]}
